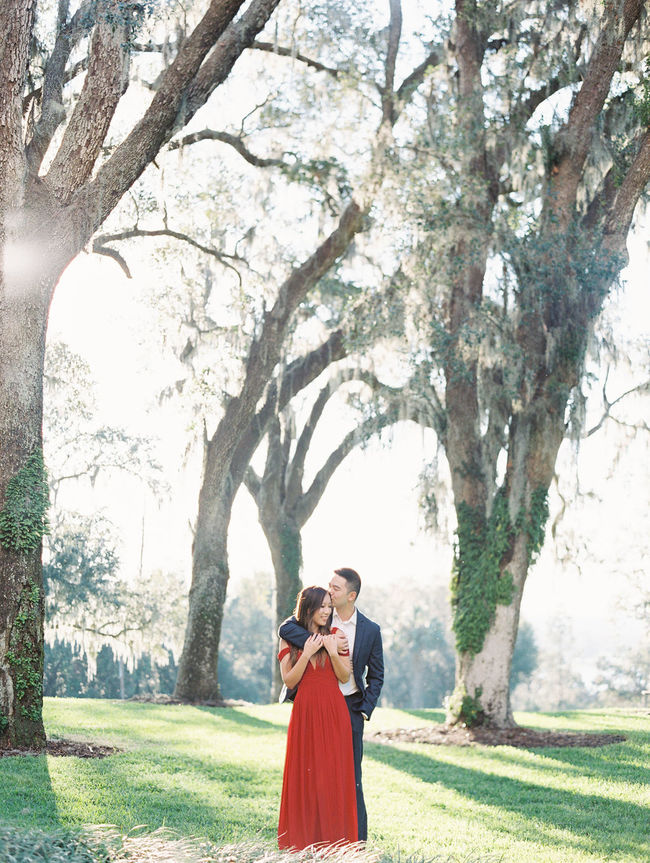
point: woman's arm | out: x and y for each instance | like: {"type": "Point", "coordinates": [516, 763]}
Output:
{"type": "Point", "coordinates": [292, 674]}
{"type": "Point", "coordinates": [341, 664]}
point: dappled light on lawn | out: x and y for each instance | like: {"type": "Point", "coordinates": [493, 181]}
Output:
{"type": "Point", "coordinates": [215, 774]}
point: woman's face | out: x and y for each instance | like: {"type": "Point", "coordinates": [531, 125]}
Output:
{"type": "Point", "coordinates": [322, 614]}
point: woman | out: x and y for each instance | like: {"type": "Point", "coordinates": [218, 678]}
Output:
{"type": "Point", "coordinates": [318, 789]}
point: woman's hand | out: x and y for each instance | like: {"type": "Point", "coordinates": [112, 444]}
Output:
{"type": "Point", "coordinates": [330, 643]}
{"type": "Point", "coordinates": [313, 644]}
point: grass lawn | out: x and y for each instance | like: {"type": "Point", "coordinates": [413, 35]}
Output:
{"type": "Point", "coordinates": [216, 773]}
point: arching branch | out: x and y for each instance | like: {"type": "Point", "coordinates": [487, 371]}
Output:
{"type": "Point", "coordinates": [281, 51]}
{"type": "Point", "coordinates": [113, 254]}
{"type": "Point", "coordinates": [574, 139]}
{"type": "Point", "coordinates": [99, 243]}
{"type": "Point", "coordinates": [234, 141]}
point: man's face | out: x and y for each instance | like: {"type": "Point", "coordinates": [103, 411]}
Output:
{"type": "Point", "coordinates": [338, 591]}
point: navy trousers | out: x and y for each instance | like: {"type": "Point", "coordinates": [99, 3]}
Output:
{"type": "Point", "coordinates": [357, 721]}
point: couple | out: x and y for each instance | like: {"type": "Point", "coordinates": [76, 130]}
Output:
{"type": "Point", "coordinates": [333, 653]}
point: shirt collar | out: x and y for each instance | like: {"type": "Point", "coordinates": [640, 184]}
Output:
{"type": "Point", "coordinates": [351, 622]}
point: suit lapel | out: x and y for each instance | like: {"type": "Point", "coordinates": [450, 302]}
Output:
{"type": "Point", "coordinates": [359, 635]}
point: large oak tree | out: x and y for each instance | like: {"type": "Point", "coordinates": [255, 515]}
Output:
{"type": "Point", "coordinates": [57, 186]}
{"type": "Point", "coordinates": [535, 153]}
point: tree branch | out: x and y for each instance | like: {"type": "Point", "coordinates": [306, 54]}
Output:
{"type": "Point", "coordinates": [627, 194]}
{"type": "Point", "coordinates": [415, 78]}
{"type": "Point", "coordinates": [639, 388]}
{"type": "Point", "coordinates": [234, 141]}
{"type": "Point", "coordinates": [168, 108]}
{"type": "Point", "coordinates": [99, 249]}
{"type": "Point", "coordinates": [271, 48]}
{"type": "Point", "coordinates": [52, 110]}
{"type": "Point", "coordinates": [290, 381]}
{"type": "Point", "coordinates": [99, 244]}
{"type": "Point", "coordinates": [103, 87]}
{"type": "Point", "coordinates": [233, 42]}
{"type": "Point", "coordinates": [394, 36]}
{"type": "Point", "coordinates": [297, 467]}
{"type": "Point", "coordinates": [574, 140]}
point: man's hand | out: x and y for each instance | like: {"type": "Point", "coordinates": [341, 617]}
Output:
{"type": "Point", "coordinates": [342, 643]}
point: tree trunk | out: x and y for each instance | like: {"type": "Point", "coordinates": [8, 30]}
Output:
{"type": "Point", "coordinates": [23, 498]}
{"type": "Point", "coordinates": [482, 687]}
{"type": "Point", "coordinates": [198, 678]}
{"type": "Point", "coordinates": [285, 543]}
{"type": "Point", "coordinates": [493, 557]}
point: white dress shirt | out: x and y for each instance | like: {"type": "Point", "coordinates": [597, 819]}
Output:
{"type": "Point", "coordinates": [349, 627]}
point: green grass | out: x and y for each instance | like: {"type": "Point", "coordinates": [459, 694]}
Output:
{"type": "Point", "coordinates": [217, 773]}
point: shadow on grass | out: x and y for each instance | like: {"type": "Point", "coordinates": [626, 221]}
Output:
{"type": "Point", "coordinates": [610, 762]}
{"type": "Point", "coordinates": [589, 822]}
{"type": "Point", "coordinates": [194, 796]}
{"type": "Point", "coordinates": [239, 717]}
{"type": "Point", "coordinates": [26, 795]}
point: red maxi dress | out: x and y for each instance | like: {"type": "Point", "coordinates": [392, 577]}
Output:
{"type": "Point", "coordinates": [318, 788]}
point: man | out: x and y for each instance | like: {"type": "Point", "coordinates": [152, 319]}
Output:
{"type": "Point", "coordinates": [362, 689]}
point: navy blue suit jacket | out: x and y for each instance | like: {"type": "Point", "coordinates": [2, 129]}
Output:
{"type": "Point", "coordinates": [367, 657]}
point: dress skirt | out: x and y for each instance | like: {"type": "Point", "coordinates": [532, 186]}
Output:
{"type": "Point", "coordinates": [318, 802]}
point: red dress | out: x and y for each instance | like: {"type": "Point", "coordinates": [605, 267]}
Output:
{"type": "Point", "coordinates": [319, 801]}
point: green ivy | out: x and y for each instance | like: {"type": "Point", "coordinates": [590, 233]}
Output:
{"type": "Point", "coordinates": [23, 520]}
{"type": "Point", "coordinates": [23, 654]}
{"type": "Point", "coordinates": [478, 583]}
{"type": "Point", "coordinates": [535, 523]}
{"type": "Point", "coordinates": [465, 709]}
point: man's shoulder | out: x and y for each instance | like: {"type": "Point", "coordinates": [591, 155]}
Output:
{"type": "Point", "coordinates": [362, 618]}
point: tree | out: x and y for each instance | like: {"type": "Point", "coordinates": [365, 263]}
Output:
{"type": "Point", "coordinates": [55, 191]}
{"type": "Point", "coordinates": [241, 428]}
{"type": "Point", "coordinates": [533, 157]}
{"type": "Point", "coordinates": [284, 504]}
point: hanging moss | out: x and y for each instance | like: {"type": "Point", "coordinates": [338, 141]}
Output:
{"type": "Point", "coordinates": [23, 520]}
{"type": "Point", "coordinates": [478, 582]}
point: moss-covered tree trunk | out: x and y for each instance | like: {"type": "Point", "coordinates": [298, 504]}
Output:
{"type": "Point", "coordinates": [49, 209]}
{"type": "Point", "coordinates": [23, 497]}
{"type": "Point", "coordinates": [513, 358]}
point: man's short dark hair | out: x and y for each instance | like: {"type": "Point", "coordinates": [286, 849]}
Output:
{"type": "Point", "coordinates": [352, 577]}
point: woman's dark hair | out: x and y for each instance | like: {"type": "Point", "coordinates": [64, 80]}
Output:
{"type": "Point", "coordinates": [308, 601]}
